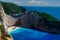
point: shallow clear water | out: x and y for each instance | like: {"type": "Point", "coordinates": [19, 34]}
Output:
{"type": "Point", "coordinates": [28, 34]}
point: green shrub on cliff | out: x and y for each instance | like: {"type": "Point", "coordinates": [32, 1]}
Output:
{"type": "Point", "coordinates": [47, 16]}
{"type": "Point", "coordinates": [10, 8]}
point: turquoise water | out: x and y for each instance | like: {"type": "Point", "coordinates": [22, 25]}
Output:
{"type": "Point", "coordinates": [28, 34]}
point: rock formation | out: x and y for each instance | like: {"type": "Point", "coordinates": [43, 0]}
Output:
{"type": "Point", "coordinates": [35, 21]}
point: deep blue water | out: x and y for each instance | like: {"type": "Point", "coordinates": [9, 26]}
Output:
{"type": "Point", "coordinates": [54, 11]}
{"type": "Point", "coordinates": [28, 34]}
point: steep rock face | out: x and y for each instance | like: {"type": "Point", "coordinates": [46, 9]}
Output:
{"type": "Point", "coordinates": [38, 22]}
{"type": "Point", "coordinates": [10, 20]}
{"type": "Point", "coordinates": [11, 9]}
{"type": "Point", "coordinates": [28, 19]}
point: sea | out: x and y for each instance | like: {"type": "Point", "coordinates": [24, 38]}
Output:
{"type": "Point", "coordinates": [54, 11]}
{"type": "Point", "coordinates": [29, 34]}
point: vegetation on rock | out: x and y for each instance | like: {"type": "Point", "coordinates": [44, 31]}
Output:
{"type": "Point", "coordinates": [10, 8]}
{"type": "Point", "coordinates": [47, 16]}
